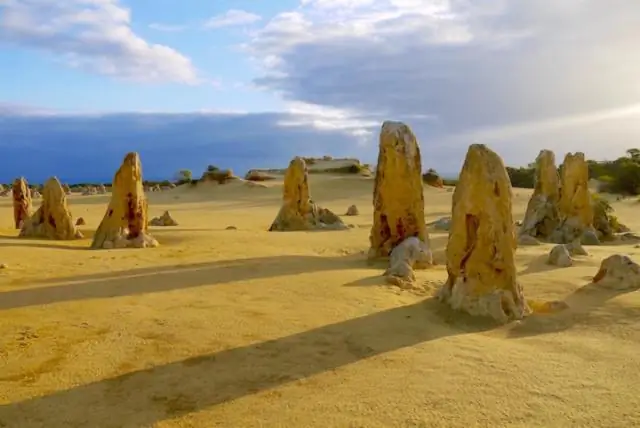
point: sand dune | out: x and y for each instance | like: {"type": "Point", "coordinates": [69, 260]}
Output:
{"type": "Point", "coordinates": [246, 328]}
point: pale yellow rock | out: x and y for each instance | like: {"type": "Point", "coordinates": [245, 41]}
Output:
{"type": "Point", "coordinates": [575, 208]}
{"type": "Point", "coordinates": [481, 247]}
{"type": "Point", "coordinates": [541, 217]}
{"type": "Point", "coordinates": [21, 202]}
{"type": "Point", "coordinates": [125, 222]}
{"type": "Point", "coordinates": [298, 211]}
{"type": "Point", "coordinates": [53, 219]}
{"type": "Point", "coordinates": [398, 200]}
{"type": "Point", "coordinates": [618, 272]}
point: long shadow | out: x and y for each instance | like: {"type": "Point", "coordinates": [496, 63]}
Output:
{"type": "Point", "coordinates": [145, 397]}
{"type": "Point", "coordinates": [584, 306]}
{"type": "Point", "coordinates": [155, 280]}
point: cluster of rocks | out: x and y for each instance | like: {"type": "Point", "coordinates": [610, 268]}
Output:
{"type": "Point", "coordinates": [164, 220]}
{"type": "Point", "coordinates": [482, 235]}
{"type": "Point", "coordinates": [159, 188]}
{"type": "Point", "coordinates": [91, 190]}
{"type": "Point", "coordinates": [562, 209]}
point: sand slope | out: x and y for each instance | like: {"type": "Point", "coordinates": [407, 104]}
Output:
{"type": "Point", "coordinates": [246, 328]}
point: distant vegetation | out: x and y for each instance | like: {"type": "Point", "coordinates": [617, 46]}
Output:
{"type": "Point", "coordinates": [617, 176]}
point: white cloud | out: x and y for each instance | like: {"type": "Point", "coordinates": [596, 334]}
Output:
{"type": "Point", "coordinates": [531, 73]}
{"type": "Point", "coordinates": [93, 35]}
{"type": "Point", "coordinates": [232, 17]}
{"type": "Point", "coordinates": [166, 27]}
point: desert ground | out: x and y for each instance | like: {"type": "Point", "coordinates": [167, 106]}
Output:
{"type": "Point", "coordinates": [248, 328]}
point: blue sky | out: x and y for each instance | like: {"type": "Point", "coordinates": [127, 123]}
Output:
{"type": "Point", "coordinates": [251, 83]}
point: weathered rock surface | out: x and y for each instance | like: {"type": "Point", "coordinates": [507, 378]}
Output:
{"type": "Point", "coordinates": [398, 200]}
{"type": "Point", "coordinates": [481, 248]}
{"type": "Point", "coordinates": [298, 211]}
{"type": "Point", "coordinates": [21, 202]}
{"type": "Point", "coordinates": [164, 220]}
{"type": "Point", "coordinates": [53, 219]}
{"type": "Point", "coordinates": [125, 222]}
{"type": "Point", "coordinates": [541, 217]}
{"type": "Point", "coordinates": [353, 210]}
{"type": "Point", "coordinates": [559, 256]}
{"type": "Point", "coordinates": [575, 208]}
{"type": "Point", "coordinates": [618, 272]}
{"type": "Point", "coordinates": [410, 253]}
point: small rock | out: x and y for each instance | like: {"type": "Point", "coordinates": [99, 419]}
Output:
{"type": "Point", "coordinates": [231, 228]}
{"type": "Point", "coordinates": [80, 221]}
{"type": "Point", "coordinates": [352, 210]}
{"type": "Point", "coordinates": [4, 266]}
{"type": "Point", "coordinates": [560, 256]}
{"type": "Point", "coordinates": [589, 237]}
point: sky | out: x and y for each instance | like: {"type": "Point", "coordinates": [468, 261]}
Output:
{"type": "Point", "coordinates": [244, 84]}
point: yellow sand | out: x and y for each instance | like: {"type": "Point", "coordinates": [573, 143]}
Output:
{"type": "Point", "coordinates": [247, 328]}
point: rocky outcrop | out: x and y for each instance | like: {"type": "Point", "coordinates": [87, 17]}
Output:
{"type": "Point", "coordinates": [164, 220]}
{"type": "Point", "coordinates": [53, 219]}
{"type": "Point", "coordinates": [541, 217]}
{"type": "Point", "coordinates": [220, 176]}
{"type": "Point", "coordinates": [618, 272]}
{"type": "Point", "coordinates": [298, 211]}
{"type": "Point", "coordinates": [398, 201]}
{"type": "Point", "coordinates": [101, 190]}
{"type": "Point", "coordinates": [575, 210]}
{"type": "Point", "coordinates": [125, 222]}
{"type": "Point", "coordinates": [67, 189]}
{"type": "Point", "coordinates": [21, 202]}
{"type": "Point", "coordinates": [433, 179]}
{"type": "Point", "coordinates": [256, 175]}
{"type": "Point", "coordinates": [481, 247]}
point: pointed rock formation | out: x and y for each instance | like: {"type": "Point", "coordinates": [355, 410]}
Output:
{"type": "Point", "coordinates": [618, 272]}
{"type": "Point", "coordinates": [53, 219]}
{"type": "Point", "coordinates": [541, 217]}
{"type": "Point", "coordinates": [125, 223]}
{"type": "Point", "coordinates": [482, 242]}
{"type": "Point", "coordinates": [21, 202]}
{"type": "Point", "coordinates": [298, 211]}
{"type": "Point", "coordinates": [398, 201]}
{"type": "Point", "coordinates": [575, 208]}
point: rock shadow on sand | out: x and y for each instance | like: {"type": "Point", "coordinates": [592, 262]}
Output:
{"type": "Point", "coordinates": [204, 381]}
{"type": "Point", "coordinates": [587, 305]}
{"type": "Point", "coordinates": [161, 279]}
